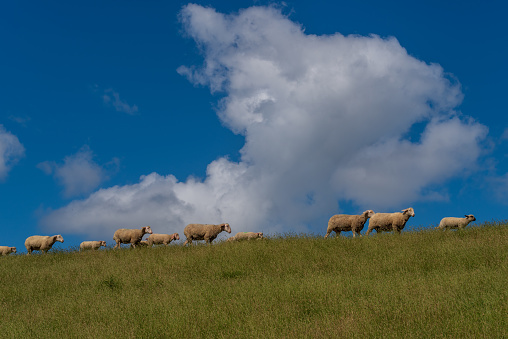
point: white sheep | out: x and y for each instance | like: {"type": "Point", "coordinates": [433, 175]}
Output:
{"type": "Point", "coordinates": [130, 236]}
{"type": "Point", "coordinates": [91, 245]}
{"type": "Point", "coordinates": [246, 236]}
{"type": "Point", "coordinates": [347, 222]}
{"type": "Point", "coordinates": [452, 222]}
{"type": "Point", "coordinates": [205, 232]}
{"type": "Point", "coordinates": [158, 239]}
{"type": "Point", "coordinates": [390, 221]}
{"type": "Point", "coordinates": [6, 250]}
{"type": "Point", "coordinates": [41, 242]}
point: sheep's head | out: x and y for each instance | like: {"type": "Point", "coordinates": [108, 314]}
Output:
{"type": "Point", "coordinates": [225, 227]}
{"type": "Point", "coordinates": [260, 235]}
{"type": "Point", "coordinates": [368, 213]}
{"type": "Point", "coordinates": [470, 217]}
{"type": "Point", "coordinates": [147, 229]}
{"type": "Point", "coordinates": [59, 238]}
{"type": "Point", "coordinates": [13, 249]}
{"type": "Point", "coordinates": [409, 211]}
{"type": "Point", "coordinates": [102, 243]}
{"type": "Point", "coordinates": [176, 236]}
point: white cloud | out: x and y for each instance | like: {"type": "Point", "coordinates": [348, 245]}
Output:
{"type": "Point", "coordinates": [11, 150]}
{"type": "Point", "coordinates": [112, 97]}
{"type": "Point", "coordinates": [325, 118]}
{"type": "Point", "coordinates": [79, 174]}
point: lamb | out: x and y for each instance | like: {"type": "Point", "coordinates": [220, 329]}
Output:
{"type": "Point", "coordinates": [346, 222]}
{"type": "Point", "coordinates": [159, 239]}
{"type": "Point", "coordinates": [205, 232]}
{"type": "Point", "coordinates": [246, 236]}
{"type": "Point", "coordinates": [452, 222]}
{"type": "Point", "coordinates": [91, 245]}
{"type": "Point", "coordinates": [390, 221]}
{"type": "Point", "coordinates": [41, 243]}
{"type": "Point", "coordinates": [130, 236]}
{"type": "Point", "coordinates": [143, 243]}
{"type": "Point", "coordinates": [6, 250]}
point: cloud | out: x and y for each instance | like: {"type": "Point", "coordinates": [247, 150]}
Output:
{"type": "Point", "coordinates": [78, 173]}
{"type": "Point", "coordinates": [11, 150]}
{"type": "Point", "coordinates": [112, 97]}
{"type": "Point", "coordinates": [325, 118]}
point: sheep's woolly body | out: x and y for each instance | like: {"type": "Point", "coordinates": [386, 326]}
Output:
{"type": "Point", "coordinates": [6, 250]}
{"type": "Point", "coordinates": [346, 222]}
{"type": "Point", "coordinates": [207, 232]}
{"type": "Point", "coordinates": [390, 221]}
{"type": "Point", "coordinates": [159, 239]}
{"type": "Point", "coordinates": [41, 242]}
{"type": "Point", "coordinates": [246, 236]}
{"type": "Point", "coordinates": [452, 222]}
{"type": "Point", "coordinates": [130, 236]}
{"type": "Point", "coordinates": [91, 245]}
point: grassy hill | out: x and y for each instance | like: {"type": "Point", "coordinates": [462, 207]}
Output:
{"type": "Point", "coordinates": [420, 284]}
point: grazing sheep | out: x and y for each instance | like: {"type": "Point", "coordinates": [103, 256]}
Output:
{"type": "Point", "coordinates": [130, 236]}
{"type": "Point", "coordinates": [6, 250]}
{"type": "Point", "coordinates": [346, 222]}
{"type": "Point", "coordinates": [204, 232]}
{"type": "Point", "coordinates": [390, 221]}
{"type": "Point", "coordinates": [41, 243]}
{"type": "Point", "coordinates": [91, 245]}
{"type": "Point", "coordinates": [452, 222]}
{"type": "Point", "coordinates": [246, 236]}
{"type": "Point", "coordinates": [158, 239]}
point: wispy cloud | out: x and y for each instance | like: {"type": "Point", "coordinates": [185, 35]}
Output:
{"type": "Point", "coordinates": [79, 174]}
{"type": "Point", "coordinates": [20, 120]}
{"type": "Point", "coordinates": [11, 150]}
{"type": "Point", "coordinates": [112, 97]}
{"type": "Point", "coordinates": [325, 119]}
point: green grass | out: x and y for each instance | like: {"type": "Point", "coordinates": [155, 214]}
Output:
{"type": "Point", "coordinates": [421, 284]}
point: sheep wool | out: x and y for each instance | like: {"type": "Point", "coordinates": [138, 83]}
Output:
{"type": "Point", "coordinates": [41, 242]}
{"type": "Point", "coordinates": [91, 245]}
{"type": "Point", "coordinates": [6, 250]}
{"type": "Point", "coordinates": [452, 222]}
{"type": "Point", "coordinates": [246, 236]}
{"type": "Point", "coordinates": [390, 221]}
{"type": "Point", "coordinates": [206, 232]}
{"type": "Point", "coordinates": [161, 239]}
{"type": "Point", "coordinates": [130, 236]}
{"type": "Point", "coordinates": [346, 222]}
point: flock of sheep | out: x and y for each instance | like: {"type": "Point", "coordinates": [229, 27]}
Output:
{"type": "Point", "coordinates": [338, 223]}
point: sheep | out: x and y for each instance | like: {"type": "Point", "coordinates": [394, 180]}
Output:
{"type": "Point", "coordinates": [390, 221]}
{"type": "Point", "coordinates": [6, 250]}
{"type": "Point", "coordinates": [41, 243]}
{"type": "Point", "coordinates": [246, 236]}
{"type": "Point", "coordinates": [206, 232]}
{"type": "Point", "coordinates": [452, 222]}
{"type": "Point", "coordinates": [346, 222]}
{"type": "Point", "coordinates": [91, 245]}
{"type": "Point", "coordinates": [143, 243]}
{"type": "Point", "coordinates": [130, 236]}
{"type": "Point", "coordinates": [159, 239]}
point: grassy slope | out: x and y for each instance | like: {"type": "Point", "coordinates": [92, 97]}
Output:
{"type": "Point", "coordinates": [420, 284]}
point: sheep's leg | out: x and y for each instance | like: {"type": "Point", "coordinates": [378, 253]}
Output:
{"type": "Point", "coordinates": [354, 232]}
{"type": "Point", "coordinates": [328, 233]}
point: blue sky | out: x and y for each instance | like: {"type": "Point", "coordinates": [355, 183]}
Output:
{"type": "Point", "coordinates": [270, 116]}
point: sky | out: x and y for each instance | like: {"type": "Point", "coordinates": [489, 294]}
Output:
{"type": "Point", "coordinates": [270, 116]}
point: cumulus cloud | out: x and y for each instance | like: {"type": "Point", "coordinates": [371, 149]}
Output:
{"type": "Point", "coordinates": [325, 118]}
{"type": "Point", "coordinates": [112, 97]}
{"type": "Point", "coordinates": [11, 150]}
{"type": "Point", "coordinates": [78, 174]}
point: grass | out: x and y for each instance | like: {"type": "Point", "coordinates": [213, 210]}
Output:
{"type": "Point", "coordinates": [420, 284]}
